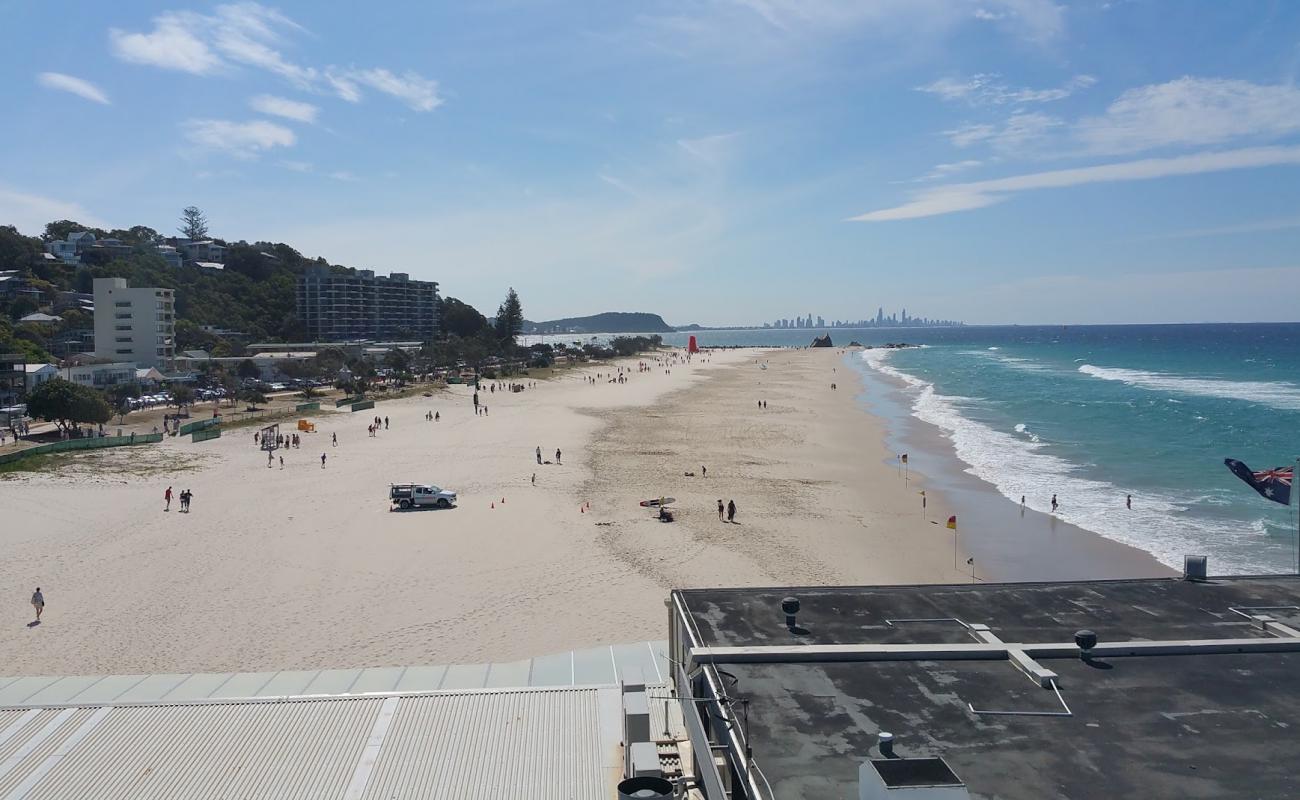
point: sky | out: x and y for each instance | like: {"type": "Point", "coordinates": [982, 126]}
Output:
{"type": "Point", "coordinates": [714, 161]}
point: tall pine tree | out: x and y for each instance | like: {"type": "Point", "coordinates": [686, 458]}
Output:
{"type": "Point", "coordinates": [510, 317]}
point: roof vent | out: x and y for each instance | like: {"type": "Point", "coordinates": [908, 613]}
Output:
{"type": "Point", "coordinates": [790, 605]}
{"type": "Point", "coordinates": [1195, 568]}
{"type": "Point", "coordinates": [885, 744]}
{"type": "Point", "coordinates": [1086, 640]}
{"type": "Point", "coordinates": [644, 788]}
{"type": "Point", "coordinates": [909, 779]}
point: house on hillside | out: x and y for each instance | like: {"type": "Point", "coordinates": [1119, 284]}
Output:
{"type": "Point", "coordinates": [69, 250]}
{"type": "Point", "coordinates": [170, 254]}
{"type": "Point", "coordinates": [38, 318]}
{"type": "Point", "coordinates": [206, 251]}
{"type": "Point", "coordinates": [36, 374]}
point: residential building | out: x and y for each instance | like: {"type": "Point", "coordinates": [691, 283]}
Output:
{"type": "Point", "coordinates": [72, 342]}
{"type": "Point", "coordinates": [38, 374]}
{"type": "Point", "coordinates": [13, 378]}
{"type": "Point", "coordinates": [38, 318]}
{"type": "Point", "coordinates": [101, 375]}
{"type": "Point", "coordinates": [69, 250]}
{"type": "Point", "coordinates": [207, 250]}
{"type": "Point", "coordinates": [361, 305]}
{"type": "Point", "coordinates": [134, 324]}
{"type": "Point", "coordinates": [82, 301]}
{"type": "Point", "coordinates": [170, 254]}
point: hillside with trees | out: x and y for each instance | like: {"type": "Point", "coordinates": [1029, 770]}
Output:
{"type": "Point", "coordinates": [608, 322]}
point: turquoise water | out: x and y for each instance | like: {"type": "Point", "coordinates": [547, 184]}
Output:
{"type": "Point", "coordinates": [1093, 413]}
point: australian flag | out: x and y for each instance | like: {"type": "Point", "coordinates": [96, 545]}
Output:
{"type": "Point", "coordinates": [1272, 484]}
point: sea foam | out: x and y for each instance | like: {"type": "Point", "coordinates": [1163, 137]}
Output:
{"type": "Point", "coordinates": [1270, 393]}
{"type": "Point", "coordinates": [1022, 465]}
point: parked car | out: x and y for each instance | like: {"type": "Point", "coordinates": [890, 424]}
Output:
{"type": "Point", "coordinates": [415, 495]}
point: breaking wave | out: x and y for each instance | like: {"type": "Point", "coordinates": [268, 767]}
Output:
{"type": "Point", "coordinates": [1270, 393]}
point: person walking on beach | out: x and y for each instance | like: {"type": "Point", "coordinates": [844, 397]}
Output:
{"type": "Point", "coordinates": [721, 510]}
{"type": "Point", "coordinates": [385, 423]}
{"type": "Point", "coordinates": [186, 494]}
{"type": "Point", "coordinates": [1128, 502]}
{"type": "Point", "coordinates": [1022, 501]}
{"type": "Point", "coordinates": [167, 496]}
{"type": "Point", "coordinates": [322, 461]}
{"type": "Point", "coordinates": [1053, 504]}
{"type": "Point", "coordinates": [539, 454]}
{"type": "Point", "coordinates": [281, 462]}
{"type": "Point", "coordinates": [38, 602]}
{"type": "Point", "coordinates": [437, 415]}
{"type": "Point", "coordinates": [557, 455]}
{"type": "Point", "coordinates": [704, 471]}
{"type": "Point", "coordinates": [335, 439]}
{"type": "Point", "coordinates": [731, 511]}
{"type": "Point", "coordinates": [534, 478]}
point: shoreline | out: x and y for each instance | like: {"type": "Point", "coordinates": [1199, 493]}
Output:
{"type": "Point", "coordinates": [1013, 543]}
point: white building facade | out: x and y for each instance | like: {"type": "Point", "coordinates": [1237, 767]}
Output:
{"type": "Point", "coordinates": [134, 325]}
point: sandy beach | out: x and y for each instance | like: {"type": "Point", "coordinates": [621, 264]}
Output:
{"type": "Point", "coordinates": [306, 567]}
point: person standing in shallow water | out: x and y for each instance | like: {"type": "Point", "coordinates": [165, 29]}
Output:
{"type": "Point", "coordinates": [1053, 504]}
{"type": "Point", "coordinates": [1128, 502]}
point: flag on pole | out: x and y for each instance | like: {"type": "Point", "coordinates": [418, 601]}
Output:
{"type": "Point", "coordinates": [952, 522]}
{"type": "Point", "coordinates": [1272, 484]}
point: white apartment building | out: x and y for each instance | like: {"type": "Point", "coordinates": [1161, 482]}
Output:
{"type": "Point", "coordinates": [134, 325]}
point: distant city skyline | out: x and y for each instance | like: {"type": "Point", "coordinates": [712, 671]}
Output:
{"type": "Point", "coordinates": [898, 319]}
{"type": "Point", "coordinates": [1006, 161]}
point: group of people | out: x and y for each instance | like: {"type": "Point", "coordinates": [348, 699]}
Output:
{"type": "Point", "coordinates": [539, 459]}
{"type": "Point", "coordinates": [379, 423]}
{"type": "Point", "coordinates": [432, 416]}
{"type": "Point", "coordinates": [727, 513]}
{"type": "Point", "coordinates": [184, 497]}
{"type": "Point", "coordinates": [762, 404]}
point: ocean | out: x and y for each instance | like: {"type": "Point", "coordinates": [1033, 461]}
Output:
{"type": "Point", "coordinates": [1094, 413]}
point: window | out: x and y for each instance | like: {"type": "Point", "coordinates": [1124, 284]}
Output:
{"type": "Point", "coordinates": [123, 315]}
{"type": "Point", "coordinates": [123, 327]}
{"type": "Point", "coordinates": [123, 339]}
{"type": "Point", "coordinates": [124, 352]}
{"type": "Point", "coordinates": [123, 304]}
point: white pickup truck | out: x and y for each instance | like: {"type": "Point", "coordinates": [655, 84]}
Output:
{"type": "Point", "coordinates": [415, 495]}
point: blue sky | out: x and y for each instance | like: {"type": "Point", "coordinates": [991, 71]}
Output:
{"type": "Point", "coordinates": [716, 161]}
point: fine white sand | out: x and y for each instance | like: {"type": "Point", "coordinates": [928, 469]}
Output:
{"type": "Point", "coordinates": [307, 568]}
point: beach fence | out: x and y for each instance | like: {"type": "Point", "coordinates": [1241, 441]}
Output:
{"type": "Point", "coordinates": [308, 407]}
{"type": "Point", "coordinates": [204, 434]}
{"type": "Point", "coordinates": [363, 405]}
{"type": "Point", "coordinates": [90, 443]}
{"type": "Point", "coordinates": [198, 425]}
{"type": "Point", "coordinates": [347, 401]}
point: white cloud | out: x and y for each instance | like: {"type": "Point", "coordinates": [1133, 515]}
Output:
{"type": "Point", "coordinates": [1021, 131]}
{"type": "Point", "coordinates": [344, 175]}
{"type": "Point", "coordinates": [297, 166]}
{"type": "Point", "coordinates": [1191, 112]}
{"type": "Point", "coordinates": [1037, 19]}
{"type": "Point", "coordinates": [29, 212]}
{"type": "Point", "coordinates": [252, 35]}
{"type": "Point", "coordinates": [414, 90]}
{"type": "Point", "coordinates": [283, 107]}
{"type": "Point", "coordinates": [989, 89]}
{"type": "Point", "coordinates": [77, 86]}
{"type": "Point", "coordinates": [240, 139]}
{"type": "Point", "coordinates": [171, 45]}
{"type": "Point", "coordinates": [979, 194]}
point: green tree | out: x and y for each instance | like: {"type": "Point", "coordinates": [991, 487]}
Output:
{"type": "Point", "coordinates": [510, 317]}
{"type": "Point", "coordinates": [253, 397]}
{"type": "Point", "coordinates": [193, 224]}
{"type": "Point", "coordinates": [460, 319]}
{"type": "Point", "coordinates": [66, 403]}
{"type": "Point", "coordinates": [247, 369]}
{"type": "Point", "coordinates": [182, 395]}
{"type": "Point", "coordinates": [17, 251]}
{"type": "Point", "coordinates": [397, 360]}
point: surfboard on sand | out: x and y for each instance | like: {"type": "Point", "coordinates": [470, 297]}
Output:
{"type": "Point", "coordinates": [656, 502]}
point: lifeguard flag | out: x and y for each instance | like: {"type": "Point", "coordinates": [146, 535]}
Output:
{"type": "Point", "coordinates": [691, 346]}
{"type": "Point", "coordinates": [952, 522]}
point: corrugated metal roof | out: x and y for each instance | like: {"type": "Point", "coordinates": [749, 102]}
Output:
{"type": "Point", "coordinates": [560, 743]}
{"type": "Point", "coordinates": [593, 666]}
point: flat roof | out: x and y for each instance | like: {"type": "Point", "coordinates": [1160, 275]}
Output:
{"type": "Point", "coordinates": [1189, 723]}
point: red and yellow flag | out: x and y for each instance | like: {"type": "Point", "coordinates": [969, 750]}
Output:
{"type": "Point", "coordinates": [952, 522]}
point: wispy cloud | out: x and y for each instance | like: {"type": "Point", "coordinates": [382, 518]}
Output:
{"type": "Point", "coordinates": [1259, 226]}
{"type": "Point", "coordinates": [283, 107]}
{"type": "Point", "coordinates": [990, 89]}
{"type": "Point", "coordinates": [416, 91]}
{"type": "Point", "coordinates": [944, 171]}
{"type": "Point", "coordinates": [1022, 130]}
{"type": "Point", "coordinates": [67, 83]}
{"type": "Point", "coordinates": [252, 35]}
{"type": "Point", "coordinates": [967, 196]}
{"type": "Point", "coordinates": [29, 212]}
{"type": "Point", "coordinates": [240, 139]}
{"type": "Point", "coordinates": [297, 166]}
{"type": "Point", "coordinates": [1037, 19]}
{"type": "Point", "coordinates": [714, 149]}
{"type": "Point", "coordinates": [1191, 112]}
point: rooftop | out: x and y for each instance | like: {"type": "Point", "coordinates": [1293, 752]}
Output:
{"type": "Point", "coordinates": [1186, 695]}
